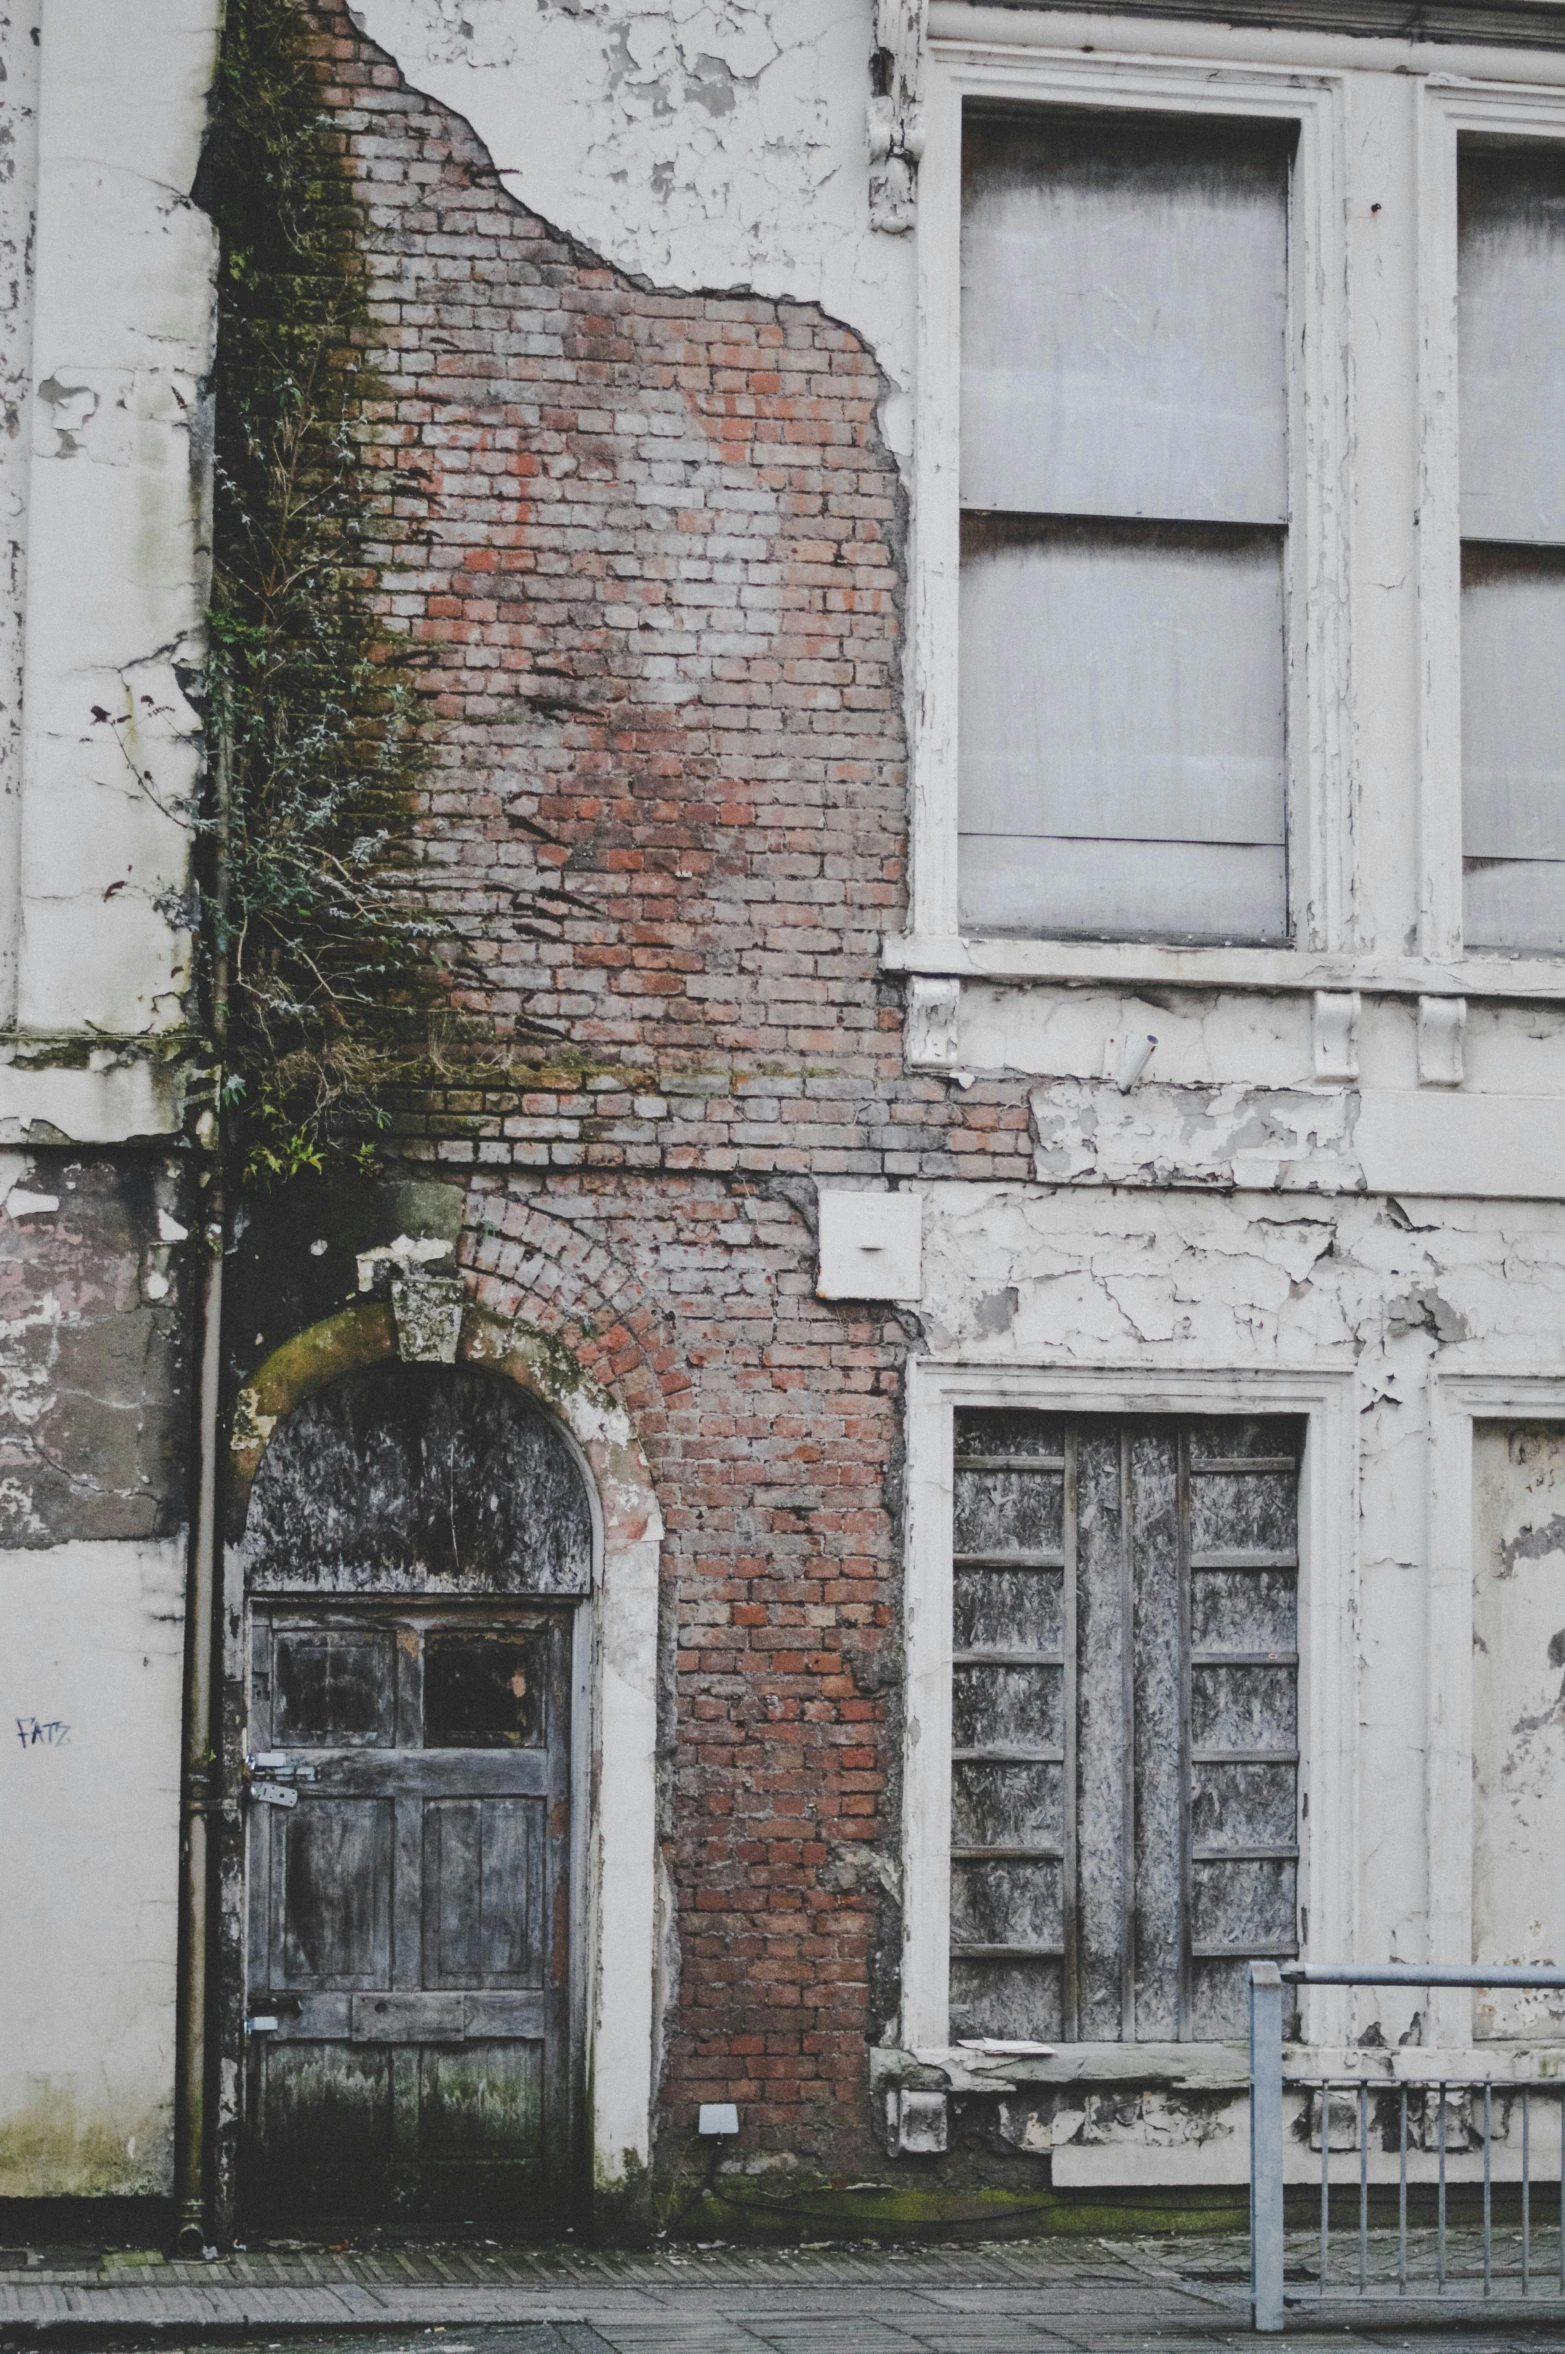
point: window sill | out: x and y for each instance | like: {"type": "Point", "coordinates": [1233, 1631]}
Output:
{"type": "Point", "coordinates": [1146, 964]}
{"type": "Point", "coordinates": [1208, 2067]}
{"type": "Point", "coordinates": [1224, 2067]}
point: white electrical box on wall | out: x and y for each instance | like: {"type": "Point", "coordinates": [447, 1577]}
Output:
{"type": "Point", "coordinates": [871, 1245]}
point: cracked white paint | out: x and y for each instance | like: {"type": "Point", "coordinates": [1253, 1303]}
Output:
{"type": "Point", "coordinates": [710, 144]}
{"type": "Point", "coordinates": [1220, 1136]}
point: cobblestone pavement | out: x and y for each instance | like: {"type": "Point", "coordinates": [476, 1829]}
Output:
{"type": "Point", "coordinates": [1104, 2297]}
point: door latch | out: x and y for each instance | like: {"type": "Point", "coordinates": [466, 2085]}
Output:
{"type": "Point", "coordinates": [281, 2007]}
{"type": "Point", "coordinates": [279, 1765]}
{"type": "Point", "coordinates": [271, 1778]}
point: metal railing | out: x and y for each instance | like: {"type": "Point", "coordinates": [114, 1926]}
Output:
{"type": "Point", "coordinates": [1429, 2123]}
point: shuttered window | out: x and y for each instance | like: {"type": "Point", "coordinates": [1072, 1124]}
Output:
{"type": "Point", "coordinates": [1124, 1832]}
{"type": "Point", "coordinates": [1125, 509]}
{"type": "Point", "coordinates": [1511, 330]}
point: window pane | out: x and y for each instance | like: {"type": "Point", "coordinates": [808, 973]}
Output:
{"type": "Point", "coordinates": [1513, 747]}
{"type": "Point", "coordinates": [1122, 752]}
{"type": "Point", "coordinates": [1124, 317]}
{"type": "Point", "coordinates": [1512, 343]}
{"type": "Point", "coordinates": [334, 1689]}
{"type": "Point", "coordinates": [485, 1689]}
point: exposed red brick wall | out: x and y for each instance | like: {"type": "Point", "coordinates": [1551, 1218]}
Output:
{"type": "Point", "coordinates": [648, 546]}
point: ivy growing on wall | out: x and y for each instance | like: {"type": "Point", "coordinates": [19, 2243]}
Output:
{"type": "Point", "coordinates": [320, 963]}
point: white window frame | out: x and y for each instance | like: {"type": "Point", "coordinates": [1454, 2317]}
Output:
{"type": "Point", "coordinates": [1317, 816]}
{"type": "Point", "coordinates": [1444, 115]}
{"type": "Point", "coordinates": [1328, 1642]}
{"type": "Point", "coordinates": [1375, 695]}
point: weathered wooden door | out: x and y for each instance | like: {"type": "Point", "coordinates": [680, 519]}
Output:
{"type": "Point", "coordinates": [1125, 1753]}
{"type": "Point", "coordinates": [409, 1943]}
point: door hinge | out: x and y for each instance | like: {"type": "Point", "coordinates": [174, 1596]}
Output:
{"type": "Point", "coordinates": [272, 1794]}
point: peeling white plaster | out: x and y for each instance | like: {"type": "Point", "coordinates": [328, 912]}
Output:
{"type": "Point", "coordinates": [124, 1096]}
{"type": "Point", "coordinates": [1156, 1135]}
{"type": "Point", "coordinates": [711, 144]}
{"type": "Point", "coordinates": [31, 1205]}
{"type": "Point", "coordinates": [406, 1251]}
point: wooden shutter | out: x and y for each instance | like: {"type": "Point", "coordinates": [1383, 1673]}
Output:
{"type": "Point", "coordinates": [1125, 1741]}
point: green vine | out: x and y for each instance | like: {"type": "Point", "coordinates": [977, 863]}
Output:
{"type": "Point", "coordinates": [320, 969]}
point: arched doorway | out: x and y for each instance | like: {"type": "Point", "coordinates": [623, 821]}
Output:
{"type": "Point", "coordinates": [417, 1562]}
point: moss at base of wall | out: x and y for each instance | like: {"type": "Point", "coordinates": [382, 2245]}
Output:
{"type": "Point", "coordinates": [52, 2149]}
{"type": "Point", "coordinates": [745, 2209]}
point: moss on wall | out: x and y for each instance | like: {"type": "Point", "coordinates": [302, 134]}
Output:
{"type": "Point", "coordinates": [319, 969]}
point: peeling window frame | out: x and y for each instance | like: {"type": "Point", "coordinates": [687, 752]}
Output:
{"type": "Point", "coordinates": [1328, 1641]}
{"type": "Point", "coordinates": [1316, 546]}
{"type": "Point", "coordinates": [1456, 1402]}
{"type": "Point", "coordinates": [1375, 887]}
{"type": "Point", "coordinates": [1445, 117]}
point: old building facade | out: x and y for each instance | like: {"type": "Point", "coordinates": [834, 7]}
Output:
{"type": "Point", "coordinates": [950, 1425]}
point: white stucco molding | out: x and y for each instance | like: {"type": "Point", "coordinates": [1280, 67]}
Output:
{"type": "Point", "coordinates": [1328, 1639]}
{"type": "Point", "coordinates": [116, 573]}
{"type": "Point", "coordinates": [896, 114]}
{"type": "Point", "coordinates": [1302, 22]}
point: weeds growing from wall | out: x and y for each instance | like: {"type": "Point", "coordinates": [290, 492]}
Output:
{"type": "Point", "coordinates": [320, 962]}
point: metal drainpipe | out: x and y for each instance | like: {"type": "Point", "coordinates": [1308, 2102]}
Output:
{"type": "Point", "coordinates": [199, 1793]}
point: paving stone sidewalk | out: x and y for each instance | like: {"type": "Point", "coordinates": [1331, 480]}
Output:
{"type": "Point", "coordinates": [1103, 2297]}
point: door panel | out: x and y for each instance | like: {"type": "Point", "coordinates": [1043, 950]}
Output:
{"type": "Point", "coordinates": [484, 1899]}
{"type": "Point", "coordinates": [331, 1876]}
{"type": "Point", "coordinates": [480, 2100]}
{"type": "Point", "coordinates": [409, 1954]}
{"type": "Point", "coordinates": [326, 2106]}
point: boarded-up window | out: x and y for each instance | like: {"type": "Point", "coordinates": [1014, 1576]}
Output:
{"type": "Point", "coordinates": [1518, 1715]}
{"type": "Point", "coordinates": [1125, 501]}
{"type": "Point", "coordinates": [1125, 1723]}
{"type": "Point", "coordinates": [1512, 411]}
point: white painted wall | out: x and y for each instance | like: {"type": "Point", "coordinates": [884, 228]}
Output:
{"type": "Point", "coordinates": [91, 1645]}
{"type": "Point", "coordinates": [105, 486]}
{"type": "Point", "coordinates": [19, 56]}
